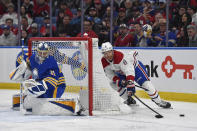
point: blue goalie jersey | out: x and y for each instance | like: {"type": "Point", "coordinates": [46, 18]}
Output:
{"type": "Point", "coordinates": [48, 71]}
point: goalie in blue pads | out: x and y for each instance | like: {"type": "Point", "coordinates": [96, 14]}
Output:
{"type": "Point", "coordinates": [47, 79]}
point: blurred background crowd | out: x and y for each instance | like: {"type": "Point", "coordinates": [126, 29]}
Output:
{"type": "Point", "coordinates": [130, 23]}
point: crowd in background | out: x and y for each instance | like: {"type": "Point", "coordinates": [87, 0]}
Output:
{"type": "Point", "coordinates": [129, 18]}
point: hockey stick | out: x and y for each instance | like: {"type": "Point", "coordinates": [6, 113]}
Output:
{"type": "Point", "coordinates": [21, 85]}
{"type": "Point", "coordinates": [142, 87]}
{"type": "Point", "coordinates": [158, 114]}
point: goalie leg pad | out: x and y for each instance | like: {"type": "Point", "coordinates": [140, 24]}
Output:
{"type": "Point", "coordinates": [54, 106]}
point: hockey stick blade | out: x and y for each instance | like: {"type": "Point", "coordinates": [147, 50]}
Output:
{"type": "Point", "coordinates": [158, 114]}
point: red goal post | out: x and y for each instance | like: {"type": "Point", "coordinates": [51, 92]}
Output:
{"type": "Point", "coordinates": [100, 95]}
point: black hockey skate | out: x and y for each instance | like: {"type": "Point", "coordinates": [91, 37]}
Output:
{"type": "Point", "coordinates": [130, 101]}
{"type": "Point", "coordinates": [163, 104]}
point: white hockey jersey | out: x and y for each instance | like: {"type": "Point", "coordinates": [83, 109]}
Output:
{"type": "Point", "coordinates": [121, 64]}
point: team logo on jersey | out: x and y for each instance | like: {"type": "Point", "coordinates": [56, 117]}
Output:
{"type": "Point", "coordinates": [169, 67]}
{"type": "Point", "coordinates": [78, 73]}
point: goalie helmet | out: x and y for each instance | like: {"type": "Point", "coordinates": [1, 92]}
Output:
{"type": "Point", "coordinates": [106, 47]}
{"type": "Point", "coordinates": [147, 29]}
{"type": "Point", "coordinates": [42, 51]}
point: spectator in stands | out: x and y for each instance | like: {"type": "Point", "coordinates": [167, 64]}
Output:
{"type": "Point", "coordinates": [192, 33]}
{"type": "Point", "coordinates": [104, 31]}
{"type": "Point", "coordinates": [25, 25]}
{"type": "Point", "coordinates": [46, 31]}
{"type": "Point", "coordinates": [88, 29]}
{"type": "Point", "coordinates": [10, 14]}
{"type": "Point", "coordinates": [60, 18]}
{"type": "Point", "coordinates": [93, 17]}
{"type": "Point", "coordinates": [182, 38]}
{"type": "Point", "coordinates": [8, 38]}
{"type": "Point", "coordinates": [27, 15]}
{"type": "Point", "coordinates": [128, 5]}
{"type": "Point", "coordinates": [192, 11]}
{"type": "Point", "coordinates": [186, 20]}
{"type": "Point", "coordinates": [116, 5]}
{"type": "Point", "coordinates": [121, 17]}
{"type": "Point", "coordinates": [178, 18]}
{"type": "Point", "coordinates": [45, 28]}
{"type": "Point", "coordinates": [13, 28]}
{"type": "Point", "coordinates": [62, 33]}
{"type": "Point", "coordinates": [66, 9]}
{"type": "Point", "coordinates": [145, 18]}
{"type": "Point", "coordinates": [136, 14]}
{"type": "Point", "coordinates": [24, 35]}
{"type": "Point", "coordinates": [41, 8]}
{"type": "Point", "coordinates": [155, 26]}
{"type": "Point", "coordinates": [161, 8]}
{"type": "Point", "coordinates": [28, 5]}
{"type": "Point", "coordinates": [124, 38]}
{"type": "Point", "coordinates": [2, 8]}
{"type": "Point", "coordinates": [140, 38]}
{"type": "Point", "coordinates": [107, 14]}
{"type": "Point", "coordinates": [161, 36]}
{"type": "Point", "coordinates": [100, 9]}
{"type": "Point", "coordinates": [66, 26]}
{"type": "Point", "coordinates": [34, 31]}
{"type": "Point", "coordinates": [76, 22]}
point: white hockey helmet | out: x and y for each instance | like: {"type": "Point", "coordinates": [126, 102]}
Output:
{"type": "Point", "coordinates": [106, 47]}
{"type": "Point", "coordinates": [42, 50]}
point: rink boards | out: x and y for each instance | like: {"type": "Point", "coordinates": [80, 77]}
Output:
{"type": "Point", "coordinates": [172, 71]}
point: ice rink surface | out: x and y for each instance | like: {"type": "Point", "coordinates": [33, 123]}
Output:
{"type": "Point", "coordinates": [140, 119]}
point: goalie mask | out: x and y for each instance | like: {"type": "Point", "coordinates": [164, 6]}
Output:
{"type": "Point", "coordinates": [42, 51]}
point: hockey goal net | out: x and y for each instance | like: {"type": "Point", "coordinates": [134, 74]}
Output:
{"type": "Point", "coordinates": [91, 83]}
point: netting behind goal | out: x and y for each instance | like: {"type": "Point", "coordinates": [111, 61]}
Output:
{"type": "Point", "coordinates": [90, 82]}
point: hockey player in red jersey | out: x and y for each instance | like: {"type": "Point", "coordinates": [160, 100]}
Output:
{"type": "Point", "coordinates": [123, 70]}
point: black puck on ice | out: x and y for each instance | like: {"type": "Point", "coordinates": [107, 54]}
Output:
{"type": "Point", "coordinates": [158, 116]}
{"type": "Point", "coordinates": [181, 115]}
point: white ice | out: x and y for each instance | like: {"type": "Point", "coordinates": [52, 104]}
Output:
{"type": "Point", "coordinates": [141, 119]}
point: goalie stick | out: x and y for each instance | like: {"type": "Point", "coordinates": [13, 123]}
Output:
{"type": "Point", "coordinates": [21, 85]}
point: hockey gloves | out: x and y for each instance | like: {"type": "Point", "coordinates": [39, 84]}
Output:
{"type": "Point", "coordinates": [121, 83]}
{"type": "Point", "coordinates": [130, 88]}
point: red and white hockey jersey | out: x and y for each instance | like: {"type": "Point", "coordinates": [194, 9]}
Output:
{"type": "Point", "coordinates": [122, 64]}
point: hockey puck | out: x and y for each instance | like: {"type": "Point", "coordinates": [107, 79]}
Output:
{"type": "Point", "coordinates": [158, 116]}
{"type": "Point", "coordinates": [181, 115]}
